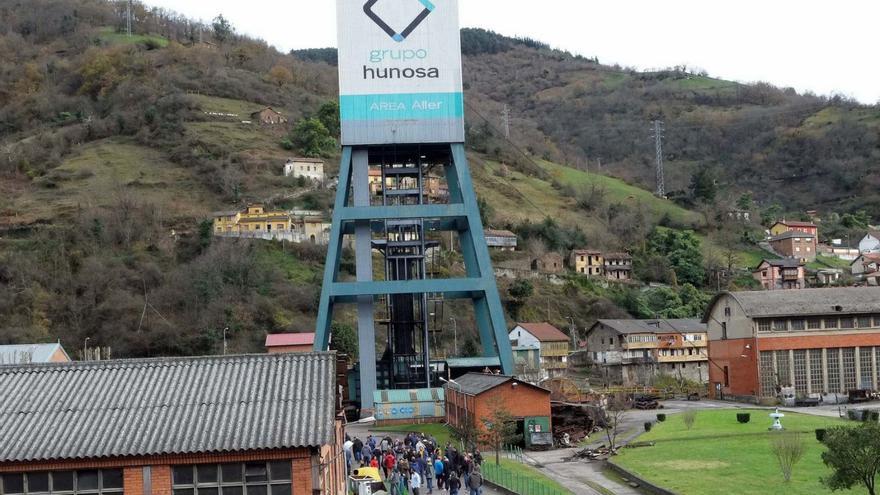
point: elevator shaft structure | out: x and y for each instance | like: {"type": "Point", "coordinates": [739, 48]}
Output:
{"type": "Point", "coordinates": [398, 228]}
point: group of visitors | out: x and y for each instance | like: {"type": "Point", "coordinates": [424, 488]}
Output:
{"type": "Point", "coordinates": [416, 461]}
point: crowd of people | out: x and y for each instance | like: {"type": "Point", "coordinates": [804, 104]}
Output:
{"type": "Point", "coordinates": [415, 462]}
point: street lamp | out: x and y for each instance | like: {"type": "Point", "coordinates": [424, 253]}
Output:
{"type": "Point", "coordinates": [454, 335]}
{"type": "Point", "coordinates": [224, 339]}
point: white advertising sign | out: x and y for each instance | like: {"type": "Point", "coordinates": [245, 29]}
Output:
{"type": "Point", "coordinates": [400, 72]}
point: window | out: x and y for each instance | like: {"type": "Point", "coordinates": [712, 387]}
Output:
{"type": "Point", "coordinates": [798, 324]}
{"type": "Point", "coordinates": [847, 322]}
{"type": "Point", "coordinates": [830, 322]}
{"type": "Point", "coordinates": [764, 325]}
{"type": "Point", "coordinates": [864, 322]}
{"type": "Point", "coordinates": [723, 330]}
{"type": "Point", "coordinates": [726, 376]}
{"type": "Point", "coordinates": [814, 323]}
{"type": "Point", "coordinates": [780, 325]}
{"type": "Point", "coordinates": [252, 478]}
{"type": "Point", "coordinates": [727, 311]}
{"type": "Point", "coordinates": [92, 482]}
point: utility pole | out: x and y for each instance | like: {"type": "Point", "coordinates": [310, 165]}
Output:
{"type": "Point", "coordinates": [129, 18]}
{"type": "Point", "coordinates": [454, 336]}
{"type": "Point", "coordinates": [658, 148]}
{"type": "Point", "coordinates": [505, 121]}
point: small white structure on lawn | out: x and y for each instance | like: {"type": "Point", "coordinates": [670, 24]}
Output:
{"type": "Point", "coordinates": [775, 416]}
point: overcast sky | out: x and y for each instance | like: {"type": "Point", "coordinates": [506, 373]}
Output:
{"type": "Point", "coordinates": [825, 47]}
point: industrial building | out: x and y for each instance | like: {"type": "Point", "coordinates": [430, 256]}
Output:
{"type": "Point", "coordinates": [264, 424]}
{"type": "Point", "coordinates": [474, 397]}
{"type": "Point", "coordinates": [632, 352]}
{"type": "Point", "coordinates": [815, 340]}
{"type": "Point", "coordinates": [290, 342]}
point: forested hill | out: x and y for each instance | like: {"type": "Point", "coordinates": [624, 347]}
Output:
{"type": "Point", "coordinates": [114, 149]}
{"type": "Point", "coordinates": [799, 151]}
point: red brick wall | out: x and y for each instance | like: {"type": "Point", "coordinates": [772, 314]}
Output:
{"type": "Point", "coordinates": [133, 480]}
{"type": "Point", "coordinates": [742, 371]}
{"type": "Point", "coordinates": [520, 401]}
{"type": "Point", "coordinates": [860, 338]}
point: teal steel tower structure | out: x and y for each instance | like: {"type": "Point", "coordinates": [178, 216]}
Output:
{"type": "Point", "coordinates": [402, 115]}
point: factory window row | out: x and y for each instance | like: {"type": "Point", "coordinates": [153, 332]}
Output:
{"type": "Point", "coordinates": [87, 481]}
{"type": "Point", "coordinates": [817, 371]}
{"type": "Point", "coordinates": [818, 323]}
{"type": "Point", "coordinates": [252, 478]}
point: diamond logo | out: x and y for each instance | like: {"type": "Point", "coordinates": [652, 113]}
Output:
{"type": "Point", "coordinates": [398, 36]}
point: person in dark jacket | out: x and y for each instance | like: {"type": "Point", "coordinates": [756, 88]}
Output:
{"type": "Point", "coordinates": [454, 483]}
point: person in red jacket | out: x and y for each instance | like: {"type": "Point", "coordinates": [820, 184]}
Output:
{"type": "Point", "coordinates": [374, 463]}
{"type": "Point", "coordinates": [389, 464]}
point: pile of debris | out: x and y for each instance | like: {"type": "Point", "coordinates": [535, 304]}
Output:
{"type": "Point", "coordinates": [599, 453]}
{"type": "Point", "coordinates": [646, 402]}
{"type": "Point", "coordinates": [573, 422]}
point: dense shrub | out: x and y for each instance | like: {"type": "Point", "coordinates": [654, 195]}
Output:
{"type": "Point", "coordinates": [661, 417]}
{"type": "Point", "coordinates": [743, 417]}
{"type": "Point", "coordinates": [648, 425]}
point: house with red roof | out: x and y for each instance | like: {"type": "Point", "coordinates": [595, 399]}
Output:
{"type": "Point", "coordinates": [553, 345]}
{"type": "Point", "coordinates": [290, 342]}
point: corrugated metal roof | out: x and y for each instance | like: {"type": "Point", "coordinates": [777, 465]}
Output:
{"type": "Point", "coordinates": [628, 326]}
{"type": "Point", "coordinates": [29, 353]}
{"type": "Point", "coordinates": [473, 362]}
{"type": "Point", "coordinates": [405, 396]}
{"type": "Point", "coordinates": [166, 406]}
{"type": "Point", "coordinates": [804, 302]}
{"type": "Point", "coordinates": [477, 383]}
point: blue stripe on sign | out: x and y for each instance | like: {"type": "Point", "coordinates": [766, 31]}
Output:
{"type": "Point", "coordinates": [412, 106]}
{"type": "Point", "coordinates": [428, 5]}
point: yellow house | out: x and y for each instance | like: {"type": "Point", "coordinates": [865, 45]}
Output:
{"type": "Point", "coordinates": [587, 262]}
{"type": "Point", "coordinates": [254, 219]}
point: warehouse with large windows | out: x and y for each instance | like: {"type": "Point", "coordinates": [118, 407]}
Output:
{"type": "Point", "coordinates": [222, 425]}
{"type": "Point", "coordinates": [818, 341]}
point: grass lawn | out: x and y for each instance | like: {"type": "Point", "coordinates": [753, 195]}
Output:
{"type": "Point", "coordinates": [111, 36]}
{"type": "Point", "coordinates": [719, 455]}
{"type": "Point", "coordinates": [95, 175]}
{"type": "Point", "coordinates": [438, 431]}
{"type": "Point", "coordinates": [518, 477]}
{"type": "Point", "coordinates": [829, 262]}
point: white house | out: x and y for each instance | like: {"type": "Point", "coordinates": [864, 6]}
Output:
{"type": "Point", "coordinates": [865, 264]}
{"type": "Point", "coordinates": [553, 345]}
{"type": "Point", "coordinates": [310, 168]}
{"type": "Point", "coordinates": [870, 243]}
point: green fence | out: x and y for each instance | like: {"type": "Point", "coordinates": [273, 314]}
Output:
{"type": "Point", "coordinates": [516, 481]}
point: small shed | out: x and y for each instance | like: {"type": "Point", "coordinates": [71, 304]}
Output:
{"type": "Point", "coordinates": [551, 262]}
{"type": "Point", "coordinates": [268, 116]}
{"type": "Point", "coordinates": [290, 342]}
{"type": "Point", "coordinates": [423, 405]}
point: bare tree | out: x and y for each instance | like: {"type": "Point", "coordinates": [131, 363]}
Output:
{"type": "Point", "coordinates": [789, 448]}
{"type": "Point", "coordinates": [689, 417]}
{"type": "Point", "coordinates": [611, 417]}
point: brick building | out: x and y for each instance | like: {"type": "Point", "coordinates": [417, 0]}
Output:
{"type": "Point", "coordinates": [290, 342]}
{"type": "Point", "coordinates": [474, 396]}
{"type": "Point", "coordinates": [268, 116]}
{"type": "Point", "coordinates": [550, 262]}
{"type": "Point", "coordinates": [792, 226]}
{"type": "Point", "coordinates": [308, 168]}
{"type": "Point", "coordinates": [816, 340]}
{"type": "Point", "coordinates": [794, 244]}
{"type": "Point", "coordinates": [632, 352]}
{"type": "Point", "coordinates": [781, 274]}
{"type": "Point", "coordinates": [259, 424]}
